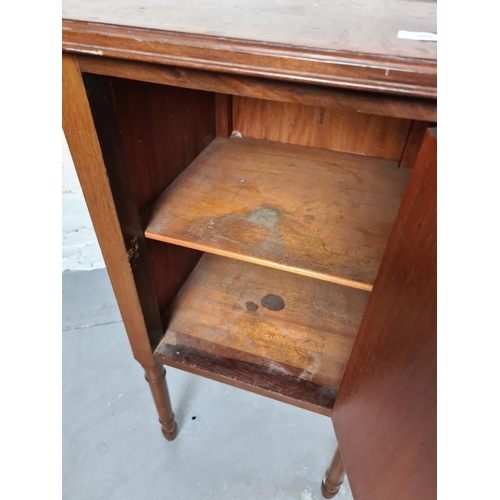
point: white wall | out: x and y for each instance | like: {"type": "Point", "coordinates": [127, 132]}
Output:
{"type": "Point", "coordinates": [80, 250]}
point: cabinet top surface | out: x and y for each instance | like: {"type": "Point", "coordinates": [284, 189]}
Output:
{"type": "Point", "coordinates": [360, 26]}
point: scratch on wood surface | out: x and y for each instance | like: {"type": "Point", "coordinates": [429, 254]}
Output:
{"type": "Point", "coordinates": [88, 51]}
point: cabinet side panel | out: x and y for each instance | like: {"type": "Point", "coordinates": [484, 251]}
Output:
{"type": "Point", "coordinates": [385, 413]}
{"type": "Point", "coordinates": [86, 151]}
{"type": "Point", "coordinates": [101, 100]}
{"type": "Point", "coordinates": [412, 147]}
{"type": "Point", "coordinates": [163, 130]}
{"type": "Point", "coordinates": [321, 127]}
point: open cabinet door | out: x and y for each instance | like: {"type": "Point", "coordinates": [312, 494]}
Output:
{"type": "Point", "coordinates": [385, 413]}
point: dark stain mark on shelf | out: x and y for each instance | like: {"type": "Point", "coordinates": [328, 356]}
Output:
{"type": "Point", "coordinates": [251, 306]}
{"type": "Point", "coordinates": [273, 302]}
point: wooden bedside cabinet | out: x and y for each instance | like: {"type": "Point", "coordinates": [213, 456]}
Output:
{"type": "Point", "coordinates": [262, 182]}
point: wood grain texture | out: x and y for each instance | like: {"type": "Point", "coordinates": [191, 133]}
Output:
{"type": "Point", "coordinates": [171, 265]}
{"type": "Point", "coordinates": [262, 88]}
{"type": "Point", "coordinates": [155, 377]}
{"type": "Point", "coordinates": [327, 128]}
{"type": "Point", "coordinates": [223, 115]}
{"type": "Point", "coordinates": [224, 321]}
{"type": "Point", "coordinates": [413, 142]}
{"type": "Point", "coordinates": [334, 476]}
{"type": "Point", "coordinates": [85, 150]}
{"type": "Point", "coordinates": [357, 26]}
{"type": "Point", "coordinates": [395, 74]}
{"type": "Point", "coordinates": [103, 107]}
{"type": "Point", "coordinates": [309, 211]}
{"type": "Point", "coordinates": [385, 413]}
{"type": "Point", "coordinates": [163, 130]}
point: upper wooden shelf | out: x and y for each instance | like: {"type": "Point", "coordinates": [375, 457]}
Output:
{"type": "Point", "coordinates": [314, 212]}
{"type": "Point", "coordinates": [279, 334]}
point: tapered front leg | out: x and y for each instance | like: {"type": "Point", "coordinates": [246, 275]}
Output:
{"type": "Point", "coordinates": [334, 476]}
{"type": "Point", "coordinates": [157, 382]}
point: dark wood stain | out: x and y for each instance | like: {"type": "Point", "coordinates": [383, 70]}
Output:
{"type": "Point", "coordinates": [249, 376]}
{"type": "Point", "coordinates": [251, 306]}
{"type": "Point", "coordinates": [322, 116]}
{"type": "Point", "coordinates": [273, 302]}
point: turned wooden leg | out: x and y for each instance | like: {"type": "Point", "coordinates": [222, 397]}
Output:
{"type": "Point", "coordinates": [155, 375]}
{"type": "Point", "coordinates": [334, 476]}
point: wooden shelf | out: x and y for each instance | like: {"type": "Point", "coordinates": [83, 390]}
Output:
{"type": "Point", "coordinates": [218, 327]}
{"type": "Point", "coordinates": [309, 211]}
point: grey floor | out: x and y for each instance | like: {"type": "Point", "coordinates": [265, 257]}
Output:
{"type": "Point", "coordinates": [232, 444]}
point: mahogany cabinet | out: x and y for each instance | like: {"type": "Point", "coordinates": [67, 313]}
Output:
{"type": "Point", "coordinates": [262, 182]}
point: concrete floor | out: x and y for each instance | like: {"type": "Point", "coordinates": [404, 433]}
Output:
{"type": "Point", "coordinates": [80, 250]}
{"type": "Point", "coordinates": [232, 444]}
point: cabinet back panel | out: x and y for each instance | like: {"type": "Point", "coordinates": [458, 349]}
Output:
{"type": "Point", "coordinates": [321, 127]}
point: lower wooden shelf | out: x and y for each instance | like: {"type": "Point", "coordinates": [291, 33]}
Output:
{"type": "Point", "coordinates": [275, 333]}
